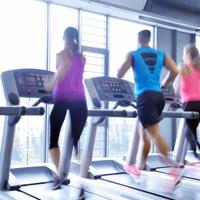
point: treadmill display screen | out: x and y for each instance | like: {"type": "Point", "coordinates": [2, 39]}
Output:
{"type": "Point", "coordinates": [30, 80]}
{"type": "Point", "coordinates": [112, 86]}
{"type": "Point", "coordinates": [35, 80]}
{"type": "Point", "coordinates": [169, 93]}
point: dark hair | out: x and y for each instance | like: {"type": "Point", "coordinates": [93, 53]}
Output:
{"type": "Point", "coordinates": [144, 35]}
{"type": "Point", "coordinates": [72, 36]}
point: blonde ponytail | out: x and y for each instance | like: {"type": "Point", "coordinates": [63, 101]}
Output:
{"type": "Point", "coordinates": [193, 53]}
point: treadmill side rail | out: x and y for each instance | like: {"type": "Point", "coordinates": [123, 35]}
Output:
{"type": "Point", "coordinates": [6, 152]}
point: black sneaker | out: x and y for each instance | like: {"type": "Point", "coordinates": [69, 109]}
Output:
{"type": "Point", "coordinates": [56, 185]}
{"type": "Point", "coordinates": [82, 195]}
{"type": "Point", "coordinates": [60, 181]}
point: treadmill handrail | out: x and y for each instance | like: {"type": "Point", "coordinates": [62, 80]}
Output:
{"type": "Point", "coordinates": [133, 114]}
{"type": "Point", "coordinates": [112, 113]}
{"type": "Point", "coordinates": [183, 114]}
{"type": "Point", "coordinates": [34, 111]}
{"type": "Point", "coordinates": [21, 110]}
{"type": "Point", "coordinates": [12, 110]}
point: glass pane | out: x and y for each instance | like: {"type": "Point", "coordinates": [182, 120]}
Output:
{"type": "Point", "coordinates": [29, 139]}
{"type": "Point", "coordinates": [93, 30]}
{"type": "Point", "coordinates": [23, 45]}
{"type": "Point", "coordinates": [23, 34]}
{"type": "Point", "coordinates": [120, 130]}
{"type": "Point", "coordinates": [99, 142]}
{"type": "Point", "coordinates": [121, 44]}
{"type": "Point", "coordinates": [94, 62]}
{"type": "Point", "coordinates": [94, 67]}
{"type": "Point", "coordinates": [61, 18]}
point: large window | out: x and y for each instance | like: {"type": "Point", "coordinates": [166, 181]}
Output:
{"type": "Point", "coordinates": [23, 44]}
{"type": "Point", "coordinates": [93, 30]}
{"type": "Point", "coordinates": [93, 41]}
{"type": "Point", "coordinates": [120, 130]}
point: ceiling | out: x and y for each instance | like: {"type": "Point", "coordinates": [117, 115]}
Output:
{"type": "Point", "coordinates": [182, 12]}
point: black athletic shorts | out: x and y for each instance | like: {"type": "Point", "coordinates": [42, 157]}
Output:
{"type": "Point", "coordinates": [150, 105]}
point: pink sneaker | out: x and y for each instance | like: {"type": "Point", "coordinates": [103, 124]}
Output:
{"type": "Point", "coordinates": [132, 169]}
{"type": "Point", "coordinates": [197, 165]}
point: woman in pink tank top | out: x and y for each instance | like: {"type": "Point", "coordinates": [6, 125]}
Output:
{"type": "Point", "coordinates": [188, 85]}
{"type": "Point", "coordinates": [68, 93]}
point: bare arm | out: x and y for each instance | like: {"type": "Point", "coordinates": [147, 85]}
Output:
{"type": "Point", "coordinates": [176, 85]}
{"type": "Point", "coordinates": [173, 71]}
{"type": "Point", "coordinates": [183, 70]}
{"type": "Point", "coordinates": [125, 67]}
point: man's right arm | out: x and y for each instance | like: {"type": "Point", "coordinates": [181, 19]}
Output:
{"type": "Point", "coordinates": [125, 67]}
{"type": "Point", "coordinates": [173, 71]}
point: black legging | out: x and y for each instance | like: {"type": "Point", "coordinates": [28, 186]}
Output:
{"type": "Point", "coordinates": [192, 124]}
{"type": "Point", "coordinates": [78, 113]}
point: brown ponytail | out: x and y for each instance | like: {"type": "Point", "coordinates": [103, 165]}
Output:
{"type": "Point", "coordinates": [72, 35]}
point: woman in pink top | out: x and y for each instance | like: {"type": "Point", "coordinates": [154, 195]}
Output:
{"type": "Point", "coordinates": [68, 93]}
{"type": "Point", "coordinates": [188, 84]}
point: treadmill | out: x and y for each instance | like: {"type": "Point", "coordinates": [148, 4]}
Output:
{"type": "Point", "coordinates": [151, 183]}
{"type": "Point", "coordinates": [105, 89]}
{"type": "Point", "coordinates": [13, 114]}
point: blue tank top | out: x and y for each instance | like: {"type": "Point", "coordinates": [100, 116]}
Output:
{"type": "Point", "coordinates": [147, 66]}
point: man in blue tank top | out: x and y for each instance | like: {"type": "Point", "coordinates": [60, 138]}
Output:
{"type": "Point", "coordinates": [147, 64]}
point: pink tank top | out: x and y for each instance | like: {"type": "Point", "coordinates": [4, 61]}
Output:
{"type": "Point", "coordinates": [190, 85]}
{"type": "Point", "coordinates": [71, 87]}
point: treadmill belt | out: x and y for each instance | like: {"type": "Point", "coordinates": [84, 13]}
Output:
{"type": "Point", "coordinates": [44, 192]}
{"type": "Point", "coordinates": [190, 172]}
{"type": "Point", "coordinates": [16, 195]}
{"type": "Point", "coordinates": [154, 186]}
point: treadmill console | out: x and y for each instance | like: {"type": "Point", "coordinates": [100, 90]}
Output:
{"type": "Point", "coordinates": [112, 86]}
{"type": "Point", "coordinates": [29, 83]}
{"type": "Point", "coordinates": [110, 89]}
{"type": "Point", "coordinates": [169, 94]}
